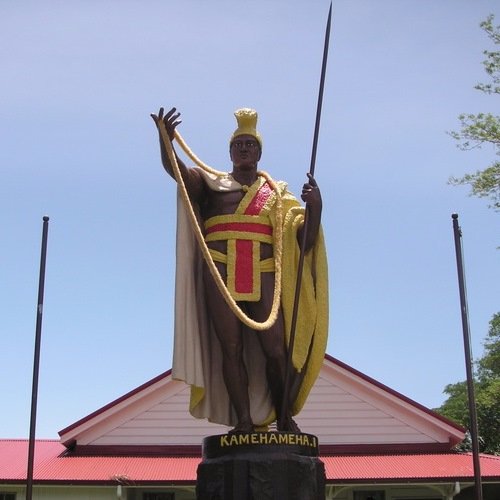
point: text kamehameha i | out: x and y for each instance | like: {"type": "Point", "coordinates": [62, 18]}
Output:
{"type": "Point", "coordinates": [268, 438]}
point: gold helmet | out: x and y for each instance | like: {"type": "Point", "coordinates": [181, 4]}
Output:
{"type": "Point", "coordinates": [247, 124]}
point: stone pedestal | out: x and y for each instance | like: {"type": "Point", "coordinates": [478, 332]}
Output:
{"type": "Point", "coordinates": [261, 466]}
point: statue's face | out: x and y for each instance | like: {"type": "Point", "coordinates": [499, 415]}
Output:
{"type": "Point", "coordinates": [245, 151]}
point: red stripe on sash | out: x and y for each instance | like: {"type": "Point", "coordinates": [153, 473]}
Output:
{"type": "Point", "coordinates": [259, 200]}
{"type": "Point", "coordinates": [246, 227]}
{"type": "Point", "coordinates": [243, 282]}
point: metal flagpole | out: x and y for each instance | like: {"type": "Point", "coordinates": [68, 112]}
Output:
{"type": "Point", "coordinates": [36, 362]}
{"type": "Point", "coordinates": [457, 232]}
{"type": "Point", "coordinates": [293, 324]}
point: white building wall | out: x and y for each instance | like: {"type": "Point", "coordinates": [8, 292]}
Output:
{"type": "Point", "coordinates": [66, 492]}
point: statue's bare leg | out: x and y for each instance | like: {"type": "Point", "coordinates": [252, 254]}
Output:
{"type": "Point", "coordinates": [273, 346]}
{"type": "Point", "coordinates": [229, 332]}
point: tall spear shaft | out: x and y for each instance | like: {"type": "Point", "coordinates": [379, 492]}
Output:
{"type": "Point", "coordinates": [320, 93]}
{"type": "Point", "coordinates": [293, 325]}
{"type": "Point", "coordinates": [36, 361]}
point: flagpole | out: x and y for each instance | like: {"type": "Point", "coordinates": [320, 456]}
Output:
{"type": "Point", "coordinates": [36, 362]}
{"type": "Point", "coordinates": [293, 324]}
{"type": "Point", "coordinates": [457, 232]}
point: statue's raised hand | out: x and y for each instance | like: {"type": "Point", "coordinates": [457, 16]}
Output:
{"type": "Point", "coordinates": [170, 120]}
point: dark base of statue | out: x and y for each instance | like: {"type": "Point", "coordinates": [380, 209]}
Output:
{"type": "Point", "coordinates": [261, 466]}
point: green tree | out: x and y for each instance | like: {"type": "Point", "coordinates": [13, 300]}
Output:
{"type": "Point", "coordinates": [489, 365]}
{"type": "Point", "coordinates": [483, 128]}
{"type": "Point", "coordinates": [487, 392]}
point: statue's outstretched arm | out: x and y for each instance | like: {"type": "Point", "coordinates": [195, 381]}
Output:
{"type": "Point", "coordinates": [192, 179]}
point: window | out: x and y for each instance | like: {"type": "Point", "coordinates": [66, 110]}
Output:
{"type": "Point", "coordinates": [7, 496]}
{"type": "Point", "coordinates": [369, 495]}
{"type": "Point", "coordinates": [156, 496]}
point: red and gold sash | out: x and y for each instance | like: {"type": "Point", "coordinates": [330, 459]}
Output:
{"type": "Point", "coordinates": [244, 231]}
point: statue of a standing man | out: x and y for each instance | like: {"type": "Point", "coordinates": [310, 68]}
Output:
{"type": "Point", "coordinates": [237, 373]}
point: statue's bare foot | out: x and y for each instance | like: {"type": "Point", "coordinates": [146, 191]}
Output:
{"type": "Point", "coordinates": [288, 424]}
{"type": "Point", "coordinates": [243, 428]}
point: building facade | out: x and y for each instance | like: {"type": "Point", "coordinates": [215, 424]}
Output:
{"type": "Point", "coordinates": [376, 444]}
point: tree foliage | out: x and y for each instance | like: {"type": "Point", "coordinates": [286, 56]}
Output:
{"type": "Point", "coordinates": [487, 395]}
{"type": "Point", "coordinates": [478, 130]}
{"type": "Point", "coordinates": [483, 128]}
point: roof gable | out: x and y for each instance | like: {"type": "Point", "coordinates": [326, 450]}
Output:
{"type": "Point", "coordinates": [345, 409]}
{"type": "Point", "coordinates": [154, 414]}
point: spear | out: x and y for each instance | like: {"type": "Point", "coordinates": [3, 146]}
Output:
{"type": "Point", "coordinates": [293, 325]}
{"type": "Point", "coordinates": [36, 361]}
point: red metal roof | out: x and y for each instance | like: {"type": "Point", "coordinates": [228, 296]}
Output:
{"type": "Point", "coordinates": [53, 464]}
{"type": "Point", "coordinates": [409, 467]}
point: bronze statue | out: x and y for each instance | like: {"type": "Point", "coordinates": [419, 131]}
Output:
{"type": "Point", "coordinates": [252, 228]}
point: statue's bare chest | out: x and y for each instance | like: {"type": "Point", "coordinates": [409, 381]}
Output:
{"type": "Point", "coordinates": [220, 203]}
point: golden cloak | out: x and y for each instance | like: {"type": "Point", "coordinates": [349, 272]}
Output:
{"type": "Point", "coordinates": [197, 353]}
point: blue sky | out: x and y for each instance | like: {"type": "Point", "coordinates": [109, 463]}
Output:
{"type": "Point", "coordinates": [79, 80]}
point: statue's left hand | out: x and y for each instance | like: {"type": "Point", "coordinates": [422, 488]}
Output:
{"type": "Point", "coordinates": [170, 120]}
{"type": "Point", "coordinates": [311, 193]}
